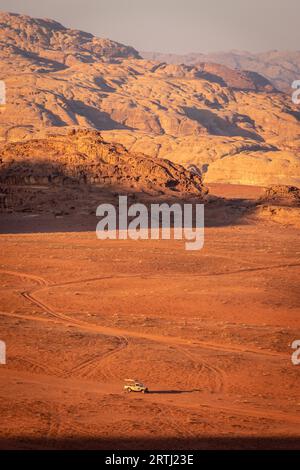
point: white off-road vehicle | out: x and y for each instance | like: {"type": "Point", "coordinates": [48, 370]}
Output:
{"type": "Point", "coordinates": [132, 385]}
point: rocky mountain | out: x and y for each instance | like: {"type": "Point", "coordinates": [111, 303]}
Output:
{"type": "Point", "coordinates": [228, 125]}
{"type": "Point", "coordinates": [281, 68]}
{"type": "Point", "coordinates": [48, 45]}
{"type": "Point", "coordinates": [75, 167]}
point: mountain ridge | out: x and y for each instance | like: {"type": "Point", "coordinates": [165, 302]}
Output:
{"type": "Point", "coordinates": [281, 68]}
{"type": "Point", "coordinates": [233, 126]}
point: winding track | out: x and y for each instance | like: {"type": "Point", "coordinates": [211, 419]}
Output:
{"type": "Point", "coordinates": [109, 331]}
{"type": "Point", "coordinates": [89, 367]}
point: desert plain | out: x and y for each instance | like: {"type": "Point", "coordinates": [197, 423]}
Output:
{"type": "Point", "coordinates": [209, 332]}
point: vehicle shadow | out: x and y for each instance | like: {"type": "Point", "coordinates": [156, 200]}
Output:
{"type": "Point", "coordinates": [172, 391]}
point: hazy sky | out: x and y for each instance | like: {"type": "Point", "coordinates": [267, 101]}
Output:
{"type": "Point", "coordinates": [177, 25]}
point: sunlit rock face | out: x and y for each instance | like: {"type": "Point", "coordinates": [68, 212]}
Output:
{"type": "Point", "coordinates": [229, 125]}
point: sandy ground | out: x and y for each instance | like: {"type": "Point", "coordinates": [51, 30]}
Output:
{"type": "Point", "coordinates": [209, 332]}
{"type": "Point", "coordinates": [236, 191]}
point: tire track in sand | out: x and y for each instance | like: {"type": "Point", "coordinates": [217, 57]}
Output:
{"type": "Point", "coordinates": [90, 367]}
{"type": "Point", "coordinates": [111, 331]}
{"type": "Point", "coordinates": [32, 277]}
{"type": "Point", "coordinates": [216, 376]}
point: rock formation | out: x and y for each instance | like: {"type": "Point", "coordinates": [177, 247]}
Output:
{"type": "Point", "coordinates": [78, 167]}
{"type": "Point", "coordinates": [287, 195]}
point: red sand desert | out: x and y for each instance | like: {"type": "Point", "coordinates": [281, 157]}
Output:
{"type": "Point", "coordinates": [209, 332]}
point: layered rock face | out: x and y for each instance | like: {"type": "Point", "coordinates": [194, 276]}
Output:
{"type": "Point", "coordinates": [228, 125]}
{"type": "Point", "coordinates": [81, 165]}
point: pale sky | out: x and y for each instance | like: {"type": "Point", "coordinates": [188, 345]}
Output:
{"type": "Point", "coordinates": [177, 26]}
